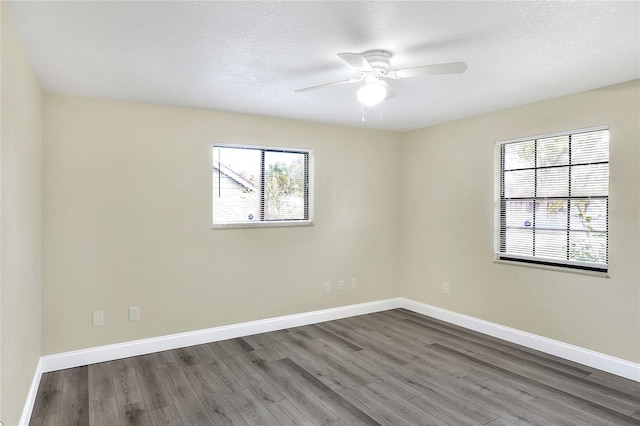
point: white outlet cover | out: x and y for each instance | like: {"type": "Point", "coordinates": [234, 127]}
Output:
{"type": "Point", "coordinates": [97, 318]}
{"type": "Point", "coordinates": [134, 313]}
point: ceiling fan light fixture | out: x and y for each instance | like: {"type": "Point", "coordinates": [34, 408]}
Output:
{"type": "Point", "coordinates": [373, 92]}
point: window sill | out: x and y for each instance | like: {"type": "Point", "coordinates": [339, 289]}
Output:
{"type": "Point", "coordinates": [595, 274]}
{"type": "Point", "coordinates": [274, 224]}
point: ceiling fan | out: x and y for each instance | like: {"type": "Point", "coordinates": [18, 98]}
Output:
{"type": "Point", "coordinates": [373, 66]}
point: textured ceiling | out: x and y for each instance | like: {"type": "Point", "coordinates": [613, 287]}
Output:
{"type": "Point", "coordinates": [249, 57]}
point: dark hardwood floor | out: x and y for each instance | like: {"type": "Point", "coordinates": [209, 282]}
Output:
{"type": "Point", "coordinates": [388, 368]}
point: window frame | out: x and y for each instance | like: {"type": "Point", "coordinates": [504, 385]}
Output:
{"type": "Point", "coordinates": [500, 254]}
{"type": "Point", "coordinates": [309, 186]}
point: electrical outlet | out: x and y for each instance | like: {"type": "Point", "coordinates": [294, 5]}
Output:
{"type": "Point", "coordinates": [327, 288]}
{"type": "Point", "coordinates": [134, 313]}
{"type": "Point", "coordinates": [97, 318]}
{"type": "Point", "coordinates": [341, 285]}
{"type": "Point", "coordinates": [354, 283]}
{"type": "Point", "coordinates": [445, 288]}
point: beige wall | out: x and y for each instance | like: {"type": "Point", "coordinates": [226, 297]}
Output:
{"type": "Point", "coordinates": [447, 225]}
{"type": "Point", "coordinates": [20, 225]}
{"type": "Point", "coordinates": [127, 221]}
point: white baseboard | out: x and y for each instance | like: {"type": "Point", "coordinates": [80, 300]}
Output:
{"type": "Point", "coordinates": [78, 358]}
{"type": "Point", "coordinates": [577, 354]}
{"type": "Point", "coordinates": [181, 340]}
{"type": "Point", "coordinates": [31, 396]}
{"type": "Point", "coordinates": [613, 365]}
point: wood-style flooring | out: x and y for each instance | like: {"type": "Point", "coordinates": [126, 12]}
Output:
{"type": "Point", "coordinates": [388, 368]}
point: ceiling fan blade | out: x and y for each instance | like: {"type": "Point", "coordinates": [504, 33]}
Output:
{"type": "Point", "coordinates": [449, 68]}
{"type": "Point", "coordinates": [334, 83]}
{"type": "Point", "coordinates": [356, 60]}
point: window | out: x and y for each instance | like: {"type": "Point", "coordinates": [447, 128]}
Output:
{"type": "Point", "coordinates": [261, 186]}
{"type": "Point", "coordinates": [553, 199]}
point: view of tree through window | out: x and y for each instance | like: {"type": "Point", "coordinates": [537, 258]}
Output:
{"type": "Point", "coordinates": [554, 199]}
{"type": "Point", "coordinates": [254, 185]}
{"type": "Point", "coordinates": [284, 186]}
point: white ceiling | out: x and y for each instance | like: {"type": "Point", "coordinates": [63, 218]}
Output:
{"type": "Point", "coordinates": [249, 57]}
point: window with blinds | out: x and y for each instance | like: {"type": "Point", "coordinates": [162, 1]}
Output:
{"type": "Point", "coordinates": [553, 199]}
{"type": "Point", "coordinates": [261, 186]}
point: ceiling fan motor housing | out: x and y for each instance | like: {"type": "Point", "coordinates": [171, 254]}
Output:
{"type": "Point", "coordinates": [378, 59]}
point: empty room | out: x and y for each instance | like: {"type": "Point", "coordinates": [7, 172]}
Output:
{"type": "Point", "coordinates": [319, 213]}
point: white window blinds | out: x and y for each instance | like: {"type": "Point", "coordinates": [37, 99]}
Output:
{"type": "Point", "coordinates": [554, 199]}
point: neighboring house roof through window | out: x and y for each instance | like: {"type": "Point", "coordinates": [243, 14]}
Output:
{"type": "Point", "coordinates": [245, 183]}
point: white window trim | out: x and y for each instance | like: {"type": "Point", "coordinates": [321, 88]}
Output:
{"type": "Point", "coordinates": [554, 264]}
{"type": "Point", "coordinates": [273, 223]}
{"type": "Point", "coordinates": [554, 134]}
